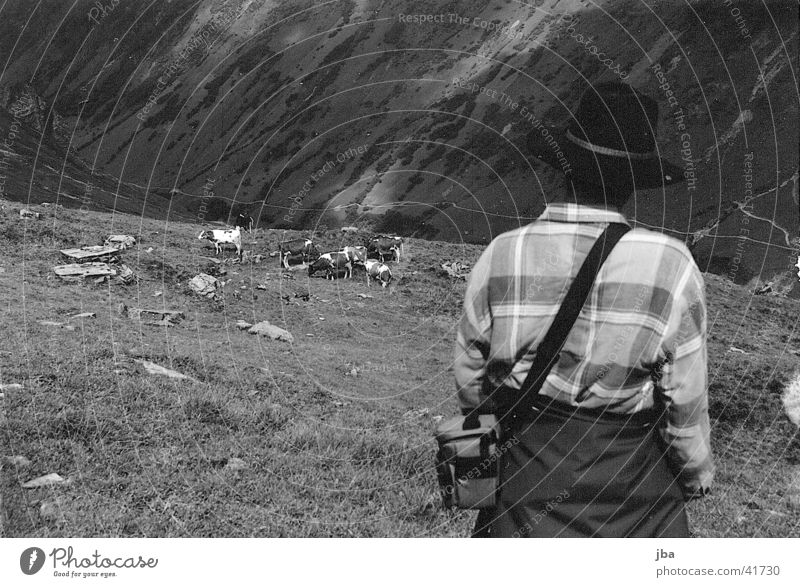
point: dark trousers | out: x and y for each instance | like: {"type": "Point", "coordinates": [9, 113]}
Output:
{"type": "Point", "coordinates": [577, 473]}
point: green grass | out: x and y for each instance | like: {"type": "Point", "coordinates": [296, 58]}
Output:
{"type": "Point", "coordinates": [327, 453]}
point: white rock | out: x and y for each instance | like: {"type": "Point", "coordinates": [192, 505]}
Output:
{"type": "Point", "coordinates": [235, 464]}
{"type": "Point", "coordinates": [270, 330]}
{"type": "Point", "coordinates": [204, 285]}
{"type": "Point", "coordinates": [10, 387]}
{"type": "Point", "coordinates": [44, 481]}
{"type": "Point", "coordinates": [791, 399]}
{"type": "Point", "coordinates": [154, 369]}
{"type": "Point", "coordinates": [49, 511]}
{"type": "Point", "coordinates": [16, 461]}
{"type": "Point", "coordinates": [242, 325]}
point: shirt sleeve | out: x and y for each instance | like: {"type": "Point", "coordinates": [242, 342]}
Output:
{"type": "Point", "coordinates": [473, 338]}
{"type": "Point", "coordinates": [683, 388]}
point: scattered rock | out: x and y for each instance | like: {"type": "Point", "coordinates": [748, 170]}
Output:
{"type": "Point", "coordinates": [270, 330]}
{"type": "Point", "coordinates": [457, 269]}
{"type": "Point", "coordinates": [261, 286]}
{"type": "Point", "coordinates": [120, 241]}
{"type": "Point", "coordinates": [25, 213]}
{"type": "Point", "coordinates": [791, 400]}
{"type": "Point", "coordinates": [158, 293]}
{"type": "Point", "coordinates": [365, 296]}
{"type": "Point", "coordinates": [49, 511]}
{"type": "Point", "coordinates": [414, 414]}
{"type": "Point", "coordinates": [10, 387]}
{"type": "Point", "coordinates": [349, 229]}
{"type": "Point", "coordinates": [154, 369]}
{"type": "Point", "coordinates": [94, 253]}
{"type": "Point", "coordinates": [150, 250]}
{"type": "Point", "coordinates": [734, 349]}
{"type": "Point", "coordinates": [204, 285]}
{"type": "Point", "coordinates": [44, 481]}
{"type": "Point", "coordinates": [78, 271]}
{"type": "Point", "coordinates": [156, 317]}
{"type": "Point", "coordinates": [242, 325]}
{"type": "Point", "coordinates": [235, 464]}
{"type": "Point", "coordinates": [764, 289]}
{"type": "Point", "coordinates": [84, 315]}
{"type": "Point", "coordinates": [17, 461]}
{"type": "Point", "coordinates": [125, 275]}
{"type": "Point", "coordinates": [122, 309]}
{"type": "Point", "coordinates": [353, 372]}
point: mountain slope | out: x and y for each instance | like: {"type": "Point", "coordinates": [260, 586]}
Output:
{"type": "Point", "coordinates": [402, 115]}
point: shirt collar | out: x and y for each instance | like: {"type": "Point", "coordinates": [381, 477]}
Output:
{"type": "Point", "coordinates": [566, 212]}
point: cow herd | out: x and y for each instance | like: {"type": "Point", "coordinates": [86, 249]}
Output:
{"type": "Point", "coordinates": [372, 256]}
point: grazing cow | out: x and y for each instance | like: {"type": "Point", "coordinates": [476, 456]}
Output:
{"type": "Point", "coordinates": [224, 237]}
{"type": "Point", "coordinates": [357, 255]}
{"type": "Point", "coordinates": [301, 248]}
{"type": "Point", "coordinates": [378, 271]}
{"type": "Point", "coordinates": [245, 222]}
{"type": "Point", "coordinates": [385, 246]}
{"type": "Point", "coordinates": [332, 264]}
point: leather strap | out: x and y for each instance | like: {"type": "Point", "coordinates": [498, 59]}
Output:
{"type": "Point", "coordinates": [549, 349]}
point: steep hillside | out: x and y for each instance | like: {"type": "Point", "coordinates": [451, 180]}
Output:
{"type": "Point", "coordinates": [412, 116]}
{"type": "Point", "coordinates": [327, 436]}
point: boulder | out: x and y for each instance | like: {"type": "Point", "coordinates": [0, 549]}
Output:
{"type": "Point", "coordinates": [120, 241]}
{"type": "Point", "coordinates": [204, 285]}
{"type": "Point", "coordinates": [270, 330]}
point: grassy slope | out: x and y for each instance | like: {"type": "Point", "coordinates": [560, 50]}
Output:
{"type": "Point", "coordinates": [327, 453]}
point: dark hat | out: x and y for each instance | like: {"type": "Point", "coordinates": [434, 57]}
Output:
{"type": "Point", "coordinates": [609, 142]}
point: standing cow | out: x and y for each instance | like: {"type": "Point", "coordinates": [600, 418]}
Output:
{"type": "Point", "coordinates": [381, 247]}
{"type": "Point", "coordinates": [299, 248]}
{"type": "Point", "coordinates": [223, 237]}
{"type": "Point", "coordinates": [245, 222]}
{"type": "Point", "coordinates": [357, 255]}
{"type": "Point", "coordinates": [332, 264]}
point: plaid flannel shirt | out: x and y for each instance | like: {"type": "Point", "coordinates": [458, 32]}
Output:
{"type": "Point", "coordinates": [640, 337]}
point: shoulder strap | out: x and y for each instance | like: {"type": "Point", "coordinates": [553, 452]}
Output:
{"type": "Point", "coordinates": [548, 350]}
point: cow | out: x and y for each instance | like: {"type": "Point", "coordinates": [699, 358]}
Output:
{"type": "Point", "coordinates": [378, 271]}
{"type": "Point", "coordinates": [383, 246]}
{"type": "Point", "coordinates": [245, 222]}
{"type": "Point", "coordinates": [357, 255]}
{"type": "Point", "coordinates": [332, 264]}
{"type": "Point", "coordinates": [224, 237]}
{"type": "Point", "coordinates": [299, 247]}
